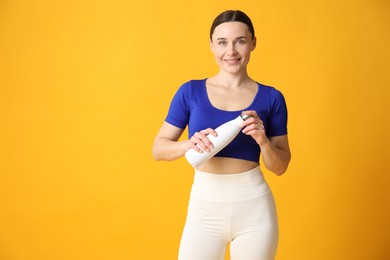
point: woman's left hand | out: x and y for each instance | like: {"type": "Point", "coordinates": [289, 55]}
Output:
{"type": "Point", "coordinates": [254, 127]}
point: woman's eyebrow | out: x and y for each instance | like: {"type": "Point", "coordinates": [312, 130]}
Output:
{"type": "Point", "coordinates": [240, 37]}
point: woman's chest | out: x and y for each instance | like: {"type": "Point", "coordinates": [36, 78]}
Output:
{"type": "Point", "coordinates": [231, 99]}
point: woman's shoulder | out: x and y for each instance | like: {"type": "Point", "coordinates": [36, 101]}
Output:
{"type": "Point", "coordinates": [270, 95]}
{"type": "Point", "coordinates": [270, 90]}
{"type": "Point", "coordinates": [195, 82]}
{"type": "Point", "coordinates": [192, 85]}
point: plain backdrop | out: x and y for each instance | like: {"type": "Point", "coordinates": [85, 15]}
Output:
{"type": "Point", "coordinates": [85, 86]}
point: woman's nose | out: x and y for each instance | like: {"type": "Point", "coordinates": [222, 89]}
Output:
{"type": "Point", "coordinates": [232, 48]}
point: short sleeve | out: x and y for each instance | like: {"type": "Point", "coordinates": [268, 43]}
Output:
{"type": "Point", "coordinates": [178, 113]}
{"type": "Point", "coordinates": [277, 123]}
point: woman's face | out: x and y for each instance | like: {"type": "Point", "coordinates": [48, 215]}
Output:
{"type": "Point", "coordinates": [232, 45]}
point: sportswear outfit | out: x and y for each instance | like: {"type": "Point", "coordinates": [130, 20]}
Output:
{"type": "Point", "coordinates": [234, 208]}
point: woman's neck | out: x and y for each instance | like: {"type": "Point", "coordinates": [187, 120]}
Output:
{"type": "Point", "coordinates": [232, 80]}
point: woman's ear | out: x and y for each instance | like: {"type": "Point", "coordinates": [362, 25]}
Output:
{"type": "Point", "coordinates": [254, 41]}
{"type": "Point", "coordinates": [211, 46]}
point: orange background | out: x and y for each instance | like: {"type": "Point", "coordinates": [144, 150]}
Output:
{"type": "Point", "coordinates": [85, 85]}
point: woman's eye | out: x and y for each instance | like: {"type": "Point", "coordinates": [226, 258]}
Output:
{"type": "Point", "coordinates": [240, 42]}
{"type": "Point", "coordinates": [222, 43]}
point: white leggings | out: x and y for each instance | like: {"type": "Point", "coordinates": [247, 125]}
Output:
{"type": "Point", "coordinates": [230, 208]}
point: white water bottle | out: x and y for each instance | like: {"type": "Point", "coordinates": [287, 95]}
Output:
{"type": "Point", "coordinates": [226, 133]}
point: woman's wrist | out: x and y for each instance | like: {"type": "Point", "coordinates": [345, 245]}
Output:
{"type": "Point", "coordinates": [264, 142]}
{"type": "Point", "coordinates": [185, 146]}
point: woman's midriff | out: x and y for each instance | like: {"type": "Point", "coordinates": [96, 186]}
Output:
{"type": "Point", "coordinates": [225, 165]}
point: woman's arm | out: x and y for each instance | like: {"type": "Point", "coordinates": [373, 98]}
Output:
{"type": "Point", "coordinates": [275, 150]}
{"type": "Point", "coordinates": [276, 154]}
{"type": "Point", "coordinates": [166, 146]}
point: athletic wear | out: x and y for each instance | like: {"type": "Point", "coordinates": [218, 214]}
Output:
{"type": "Point", "coordinates": [191, 106]}
{"type": "Point", "coordinates": [230, 208]}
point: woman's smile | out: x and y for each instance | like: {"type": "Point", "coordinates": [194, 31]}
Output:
{"type": "Point", "coordinates": [232, 44]}
{"type": "Point", "coordinates": [232, 61]}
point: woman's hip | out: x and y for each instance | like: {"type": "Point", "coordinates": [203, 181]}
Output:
{"type": "Point", "coordinates": [229, 187]}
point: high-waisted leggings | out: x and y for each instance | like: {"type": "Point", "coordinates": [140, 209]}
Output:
{"type": "Point", "coordinates": [230, 208]}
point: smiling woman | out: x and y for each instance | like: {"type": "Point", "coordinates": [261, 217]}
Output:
{"type": "Point", "coordinates": [230, 200]}
{"type": "Point", "coordinates": [232, 44]}
{"type": "Point", "coordinates": [82, 84]}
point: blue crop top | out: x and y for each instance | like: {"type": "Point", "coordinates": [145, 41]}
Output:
{"type": "Point", "coordinates": [191, 106]}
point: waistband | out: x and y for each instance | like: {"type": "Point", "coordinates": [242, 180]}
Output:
{"type": "Point", "coordinates": [229, 187]}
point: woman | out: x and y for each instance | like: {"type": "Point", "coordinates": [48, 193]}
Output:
{"type": "Point", "coordinates": [230, 201]}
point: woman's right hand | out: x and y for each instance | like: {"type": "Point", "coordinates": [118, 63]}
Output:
{"type": "Point", "coordinates": [199, 141]}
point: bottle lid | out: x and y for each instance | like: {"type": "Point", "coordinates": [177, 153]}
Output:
{"type": "Point", "coordinates": [245, 117]}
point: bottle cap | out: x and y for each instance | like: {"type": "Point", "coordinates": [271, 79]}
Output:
{"type": "Point", "coordinates": [244, 117]}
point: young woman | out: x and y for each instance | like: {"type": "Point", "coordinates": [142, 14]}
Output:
{"type": "Point", "coordinates": [230, 201]}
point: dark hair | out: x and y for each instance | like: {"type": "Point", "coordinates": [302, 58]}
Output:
{"type": "Point", "coordinates": [232, 16]}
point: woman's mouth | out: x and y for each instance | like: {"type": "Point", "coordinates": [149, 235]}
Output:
{"type": "Point", "coordinates": [232, 61]}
